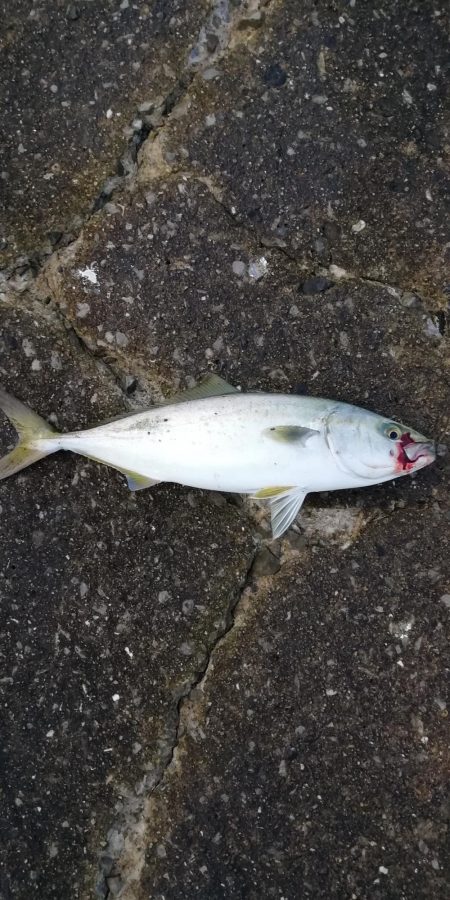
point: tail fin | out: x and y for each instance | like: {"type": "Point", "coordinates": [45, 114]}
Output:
{"type": "Point", "coordinates": [30, 428]}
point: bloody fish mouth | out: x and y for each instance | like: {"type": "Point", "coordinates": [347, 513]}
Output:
{"type": "Point", "coordinates": [413, 454]}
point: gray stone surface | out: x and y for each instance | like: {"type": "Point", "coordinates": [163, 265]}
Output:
{"type": "Point", "coordinates": [313, 761]}
{"type": "Point", "coordinates": [169, 295]}
{"type": "Point", "coordinates": [329, 135]}
{"type": "Point", "coordinates": [107, 617]}
{"type": "Point", "coordinates": [72, 76]}
{"type": "Point", "coordinates": [190, 710]}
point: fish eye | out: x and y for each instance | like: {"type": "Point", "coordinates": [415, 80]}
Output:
{"type": "Point", "coordinates": [392, 431]}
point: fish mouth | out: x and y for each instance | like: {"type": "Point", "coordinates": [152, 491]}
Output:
{"type": "Point", "coordinates": [416, 454]}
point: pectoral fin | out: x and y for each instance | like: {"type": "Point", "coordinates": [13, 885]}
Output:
{"type": "Point", "coordinates": [290, 434]}
{"type": "Point", "coordinates": [285, 504]}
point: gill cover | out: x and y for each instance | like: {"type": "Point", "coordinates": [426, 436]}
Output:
{"type": "Point", "coordinates": [357, 444]}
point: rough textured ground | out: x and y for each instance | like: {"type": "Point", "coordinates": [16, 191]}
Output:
{"type": "Point", "coordinates": [189, 709]}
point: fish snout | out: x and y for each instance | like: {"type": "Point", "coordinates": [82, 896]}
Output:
{"type": "Point", "coordinates": [424, 452]}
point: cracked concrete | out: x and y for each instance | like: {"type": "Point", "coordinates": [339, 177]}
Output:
{"type": "Point", "coordinates": [374, 111]}
{"type": "Point", "coordinates": [253, 801]}
{"type": "Point", "coordinates": [126, 857]}
{"type": "Point", "coordinates": [191, 709]}
{"type": "Point", "coordinates": [85, 73]}
{"type": "Point", "coordinates": [71, 201]}
{"type": "Point", "coordinates": [29, 299]}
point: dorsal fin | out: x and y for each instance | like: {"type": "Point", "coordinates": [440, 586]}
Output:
{"type": "Point", "coordinates": [211, 386]}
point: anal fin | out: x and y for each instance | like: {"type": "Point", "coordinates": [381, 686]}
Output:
{"type": "Point", "coordinates": [138, 482]}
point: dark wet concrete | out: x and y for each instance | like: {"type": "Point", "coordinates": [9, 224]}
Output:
{"type": "Point", "coordinates": [106, 616]}
{"type": "Point", "coordinates": [314, 760]}
{"type": "Point", "coordinates": [154, 745]}
{"type": "Point", "coordinates": [341, 158]}
{"type": "Point", "coordinates": [179, 298]}
{"type": "Point", "coordinates": [72, 76]}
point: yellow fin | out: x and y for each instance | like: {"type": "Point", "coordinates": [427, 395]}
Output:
{"type": "Point", "coordinates": [136, 482]}
{"type": "Point", "coordinates": [268, 492]}
{"type": "Point", "coordinates": [211, 386]}
{"type": "Point", "coordinates": [19, 459]}
{"type": "Point", "coordinates": [290, 434]}
{"type": "Point", "coordinates": [31, 428]}
{"type": "Point", "coordinates": [27, 423]}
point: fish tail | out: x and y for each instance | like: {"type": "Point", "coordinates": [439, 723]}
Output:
{"type": "Point", "coordinates": [31, 430]}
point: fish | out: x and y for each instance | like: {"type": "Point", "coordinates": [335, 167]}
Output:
{"type": "Point", "coordinates": [272, 447]}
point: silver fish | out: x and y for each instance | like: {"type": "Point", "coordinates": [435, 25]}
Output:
{"type": "Point", "coordinates": [273, 447]}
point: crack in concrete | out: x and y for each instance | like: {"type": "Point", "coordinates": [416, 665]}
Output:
{"type": "Point", "coordinates": [409, 296]}
{"type": "Point", "coordinates": [113, 864]}
{"type": "Point", "coordinates": [125, 870]}
{"type": "Point", "coordinates": [30, 299]}
{"type": "Point", "coordinates": [22, 275]}
{"type": "Point", "coordinates": [28, 267]}
{"type": "Point", "coordinates": [104, 364]}
{"type": "Point", "coordinates": [224, 22]}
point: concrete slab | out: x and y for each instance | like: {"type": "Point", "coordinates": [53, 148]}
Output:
{"type": "Point", "coordinates": [327, 134]}
{"type": "Point", "coordinates": [313, 759]}
{"type": "Point", "coordinates": [107, 618]}
{"type": "Point", "coordinates": [72, 79]}
{"type": "Point", "coordinates": [191, 710]}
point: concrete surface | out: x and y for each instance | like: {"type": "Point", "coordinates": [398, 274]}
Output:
{"type": "Point", "coordinates": [82, 84]}
{"type": "Point", "coordinates": [313, 760]}
{"type": "Point", "coordinates": [107, 619]}
{"type": "Point", "coordinates": [189, 709]}
{"type": "Point", "coordinates": [329, 136]}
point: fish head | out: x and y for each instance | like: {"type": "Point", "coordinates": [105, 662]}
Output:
{"type": "Point", "coordinates": [374, 448]}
